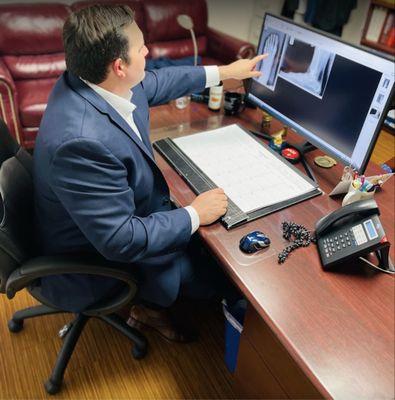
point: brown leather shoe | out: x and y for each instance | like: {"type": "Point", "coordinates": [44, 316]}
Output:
{"type": "Point", "coordinates": [162, 322]}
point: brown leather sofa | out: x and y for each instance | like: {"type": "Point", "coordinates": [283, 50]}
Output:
{"type": "Point", "coordinates": [32, 56]}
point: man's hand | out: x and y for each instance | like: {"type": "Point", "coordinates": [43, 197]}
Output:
{"type": "Point", "coordinates": [210, 205]}
{"type": "Point", "coordinates": [241, 69]}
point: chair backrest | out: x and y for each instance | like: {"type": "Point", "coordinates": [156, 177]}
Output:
{"type": "Point", "coordinates": [16, 205]}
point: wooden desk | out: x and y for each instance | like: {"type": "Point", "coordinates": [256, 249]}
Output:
{"type": "Point", "coordinates": [308, 333]}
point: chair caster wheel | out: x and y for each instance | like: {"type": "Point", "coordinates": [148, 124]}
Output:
{"type": "Point", "coordinates": [52, 387]}
{"type": "Point", "coordinates": [15, 326]}
{"type": "Point", "coordinates": [139, 352]}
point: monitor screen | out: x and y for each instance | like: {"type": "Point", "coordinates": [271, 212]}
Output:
{"type": "Point", "coordinates": [333, 93]}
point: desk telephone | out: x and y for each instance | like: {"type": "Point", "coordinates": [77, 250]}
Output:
{"type": "Point", "coordinates": [353, 231]}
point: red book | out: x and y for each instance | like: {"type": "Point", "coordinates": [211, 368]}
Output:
{"type": "Point", "coordinates": [391, 38]}
{"type": "Point", "coordinates": [388, 24]}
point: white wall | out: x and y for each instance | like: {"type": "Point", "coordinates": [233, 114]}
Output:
{"type": "Point", "coordinates": [231, 16]}
{"type": "Point", "coordinates": [352, 31]}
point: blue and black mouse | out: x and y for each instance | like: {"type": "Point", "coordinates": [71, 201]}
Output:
{"type": "Point", "coordinates": [253, 242]}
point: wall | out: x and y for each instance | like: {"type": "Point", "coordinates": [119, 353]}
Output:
{"type": "Point", "coordinates": [352, 31]}
{"type": "Point", "coordinates": [231, 16]}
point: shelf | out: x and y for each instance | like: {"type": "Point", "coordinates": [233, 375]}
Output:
{"type": "Point", "coordinates": [381, 3]}
{"type": "Point", "coordinates": [385, 25]}
{"type": "Point", "coordinates": [378, 46]}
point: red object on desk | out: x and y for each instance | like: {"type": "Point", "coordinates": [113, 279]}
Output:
{"type": "Point", "coordinates": [291, 154]}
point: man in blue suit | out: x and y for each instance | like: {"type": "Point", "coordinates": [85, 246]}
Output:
{"type": "Point", "coordinates": [97, 186]}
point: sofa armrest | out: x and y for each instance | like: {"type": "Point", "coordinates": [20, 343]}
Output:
{"type": "Point", "coordinates": [8, 102]}
{"type": "Point", "coordinates": [55, 265]}
{"type": "Point", "coordinates": [5, 76]}
{"type": "Point", "coordinates": [227, 48]}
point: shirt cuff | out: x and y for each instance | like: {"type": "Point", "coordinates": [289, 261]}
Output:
{"type": "Point", "coordinates": [212, 75]}
{"type": "Point", "coordinates": [195, 220]}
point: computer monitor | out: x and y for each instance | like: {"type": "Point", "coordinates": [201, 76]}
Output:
{"type": "Point", "coordinates": [333, 93]}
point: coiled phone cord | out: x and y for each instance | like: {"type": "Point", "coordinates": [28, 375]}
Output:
{"type": "Point", "coordinates": [298, 235]}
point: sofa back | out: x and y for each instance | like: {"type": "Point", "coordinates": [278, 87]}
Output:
{"type": "Point", "coordinates": [158, 21]}
{"type": "Point", "coordinates": [31, 39]}
{"type": "Point", "coordinates": [135, 5]}
{"type": "Point", "coordinates": [31, 34]}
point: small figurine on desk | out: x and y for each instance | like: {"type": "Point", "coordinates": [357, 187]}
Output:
{"type": "Point", "coordinates": [277, 142]}
{"type": "Point", "coordinates": [266, 123]}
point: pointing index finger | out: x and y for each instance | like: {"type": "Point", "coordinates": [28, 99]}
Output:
{"type": "Point", "coordinates": [260, 57]}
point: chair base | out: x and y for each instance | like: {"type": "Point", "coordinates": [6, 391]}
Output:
{"type": "Point", "coordinates": [54, 383]}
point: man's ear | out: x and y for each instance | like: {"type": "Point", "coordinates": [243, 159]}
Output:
{"type": "Point", "coordinates": [118, 68]}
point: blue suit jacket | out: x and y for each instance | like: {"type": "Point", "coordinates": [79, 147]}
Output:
{"type": "Point", "coordinates": [99, 190]}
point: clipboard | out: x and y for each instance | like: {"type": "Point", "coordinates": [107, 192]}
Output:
{"type": "Point", "coordinates": [200, 182]}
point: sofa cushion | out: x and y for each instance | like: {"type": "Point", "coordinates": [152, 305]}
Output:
{"type": "Point", "coordinates": [32, 28]}
{"type": "Point", "coordinates": [33, 97]}
{"type": "Point", "coordinates": [36, 66]}
{"type": "Point", "coordinates": [135, 5]}
{"type": "Point", "coordinates": [161, 19]}
{"type": "Point", "coordinates": [177, 48]}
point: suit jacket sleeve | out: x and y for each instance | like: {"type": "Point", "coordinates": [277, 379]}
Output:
{"type": "Point", "coordinates": [164, 84]}
{"type": "Point", "coordinates": [92, 185]}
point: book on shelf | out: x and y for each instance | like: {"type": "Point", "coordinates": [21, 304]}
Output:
{"type": "Point", "coordinates": [391, 38]}
{"type": "Point", "coordinates": [376, 23]}
{"type": "Point", "coordinates": [387, 37]}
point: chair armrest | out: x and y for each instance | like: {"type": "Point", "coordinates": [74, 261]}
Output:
{"type": "Point", "coordinates": [5, 76]}
{"type": "Point", "coordinates": [227, 48]}
{"type": "Point", "coordinates": [56, 265]}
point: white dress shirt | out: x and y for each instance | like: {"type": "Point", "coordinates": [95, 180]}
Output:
{"type": "Point", "coordinates": [125, 108]}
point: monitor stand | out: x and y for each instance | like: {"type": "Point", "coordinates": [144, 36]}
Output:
{"type": "Point", "coordinates": [303, 148]}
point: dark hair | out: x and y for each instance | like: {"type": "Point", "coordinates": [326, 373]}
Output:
{"type": "Point", "coordinates": [93, 37]}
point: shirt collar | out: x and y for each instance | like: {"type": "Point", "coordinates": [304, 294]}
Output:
{"type": "Point", "coordinates": [122, 105]}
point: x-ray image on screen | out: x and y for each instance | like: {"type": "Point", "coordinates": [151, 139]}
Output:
{"type": "Point", "coordinates": [272, 44]}
{"type": "Point", "coordinates": [306, 66]}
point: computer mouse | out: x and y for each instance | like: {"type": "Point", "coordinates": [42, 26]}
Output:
{"type": "Point", "coordinates": [253, 242]}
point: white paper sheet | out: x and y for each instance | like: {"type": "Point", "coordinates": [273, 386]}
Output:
{"type": "Point", "coordinates": [251, 176]}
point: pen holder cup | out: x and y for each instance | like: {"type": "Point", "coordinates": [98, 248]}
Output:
{"type": "Point", "coordinates": [355, 195]}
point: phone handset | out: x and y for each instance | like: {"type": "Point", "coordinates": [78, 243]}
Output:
{"type": "Point", "coordinates": [359, 208]}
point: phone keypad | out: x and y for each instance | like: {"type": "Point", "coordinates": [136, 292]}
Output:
{"type": "Point", "coordinates": [338, 242]}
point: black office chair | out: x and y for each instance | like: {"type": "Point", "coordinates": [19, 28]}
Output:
{"type": "Point", "coordinates": [21, 268]}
